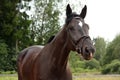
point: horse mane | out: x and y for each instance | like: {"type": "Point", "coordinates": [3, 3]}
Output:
{"type": "Point", "coordinates": [50, 39]}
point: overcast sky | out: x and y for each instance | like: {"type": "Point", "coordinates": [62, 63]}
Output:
{"type": "Point", "coordinates": [103, 17]}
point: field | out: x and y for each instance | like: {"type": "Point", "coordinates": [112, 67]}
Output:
{"type": "Point", "coordinates": [97, 77]}
{"type": "Point", "coordinates": [80, 77]}
{"type": "Point", "coordinates": [8, 77]}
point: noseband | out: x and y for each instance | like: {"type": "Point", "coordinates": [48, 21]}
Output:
{"type": "Point", "coordinates": [80, 42]}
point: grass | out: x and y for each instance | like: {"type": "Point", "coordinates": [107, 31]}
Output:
{"type": "Point", "coordinates": [97, 77]}
{"type": "Point", "coordinates": [8, 77]}
{"type": "Point", "coordinates": [76, 77]}
{"type": "Point", "coordinates": [101, 78]}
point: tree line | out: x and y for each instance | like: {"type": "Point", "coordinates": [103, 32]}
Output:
{"type": "Point", "coordinates": [19, 30]}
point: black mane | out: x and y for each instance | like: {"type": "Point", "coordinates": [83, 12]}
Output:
{"type": "Point", "coordinates": [50, 39]}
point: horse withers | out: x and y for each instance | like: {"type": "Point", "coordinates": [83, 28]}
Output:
{"type": "Point", "coordinates": [51, 61]}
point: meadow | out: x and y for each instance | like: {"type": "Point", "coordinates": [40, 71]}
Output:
{"type": "Point", "coordinates": [97, 77]}
{"type": "Point", "coordinates": [78, 77]}
{"type": "Point", "coordinates": [8, 77]}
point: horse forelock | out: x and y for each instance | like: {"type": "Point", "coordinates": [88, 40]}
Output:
{"type": "Point", "coordinates": [70, 17]}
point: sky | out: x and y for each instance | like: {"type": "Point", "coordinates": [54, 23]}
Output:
{"type": "Point", "coordinates": [103, 17]}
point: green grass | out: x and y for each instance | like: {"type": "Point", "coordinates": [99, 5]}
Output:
{"type": "Point", "coordinates": [97, 77]}
{"type": "Point", "coordinates": [8, 72]}
{"type": "Point", "coordinates": [8, 77]}
{"type": "Point", "coordinates": [76, 77]}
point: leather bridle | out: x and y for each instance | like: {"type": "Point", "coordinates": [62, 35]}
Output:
{"type": "Point", "coordinates": [80, 42]}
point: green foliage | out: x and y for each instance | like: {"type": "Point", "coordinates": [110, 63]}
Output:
{"type": "Point", "coordinates": [92, 64]}
{"type": "Point", "coordinates": [8, 72]}
{"type": "Point", "coordinates": [17, 31]}
{"type": "Point", "coordinates": [113, 67]}
{"type": "Point", "coordinates": [3, 54]}
{"type": "Point", "coordinates": [113, 51]}
{"type": "Point", "coordinates": [45, 20]}
{"type": "Point", "coordinates": [111, 60]}
{"type": "Point", "coordinates": [75, 60]}
{"type": "Point", "coordinates": [100, 46]}
{"type": "Point", "coordinates": [14, 33]}
{"type": "Point", "coordinates": [3, 47]}
{"type": "Point", "coordinates": [76, 64]}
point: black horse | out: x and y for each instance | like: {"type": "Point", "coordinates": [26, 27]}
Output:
{"type": "Point", "coordinates": [50, 62]}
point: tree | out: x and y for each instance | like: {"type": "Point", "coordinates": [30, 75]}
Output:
{"type": "Point", "coordinates": [14, 30]}
{"type": "Point", "coordinates": [45, 20]}
{"type": "Point", "coordinates": [100, 46]}
{"type": "Point", "coordinates": [92, 64]}
{"type": "Point", "coordinates": [113, 50]}
{"type": "Point", "coordinates": [113, 67]}
{"type": "Point", "coordinates": [76, 62]}
{"type": "Point", "coordinates": [3, 54]}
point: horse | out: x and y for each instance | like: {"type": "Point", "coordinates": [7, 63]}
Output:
{"type": "Point", "coordinates": [51, 61]}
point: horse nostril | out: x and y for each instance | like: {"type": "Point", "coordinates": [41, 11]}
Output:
{"type": "Point", "coordinates": [87, 50]}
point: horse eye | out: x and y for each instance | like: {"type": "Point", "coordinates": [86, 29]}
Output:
{"type": "Point", "coordinates": [80, 23]}
{"type": "Point", "coordinates": [71, 28]}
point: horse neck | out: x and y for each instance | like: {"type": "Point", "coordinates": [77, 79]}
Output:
{"type": "Point", "coordinates": [61, 49]}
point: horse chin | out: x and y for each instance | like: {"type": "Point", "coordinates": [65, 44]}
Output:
{"type": "Point", "coordinates": [88, 57]}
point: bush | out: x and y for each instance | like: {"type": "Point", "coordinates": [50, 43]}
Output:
{"type": "Point", "coordinates": [92, 64]}
{"type": "Point", "coordinates": [3, 54]}
{"type": "Point", "coordinates": [112, 68]}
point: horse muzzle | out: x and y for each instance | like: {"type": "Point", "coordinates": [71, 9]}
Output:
{"type": "Point", "coordinates": [86, 52]}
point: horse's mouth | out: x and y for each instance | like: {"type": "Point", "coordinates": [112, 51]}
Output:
{"type": "Point", "coordinates": [86, 51]}
{"type": "Point", "coordinates": [87, 55]}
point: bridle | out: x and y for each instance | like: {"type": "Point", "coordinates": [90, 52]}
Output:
{"type": "Point", "coordinates": [80, 42]}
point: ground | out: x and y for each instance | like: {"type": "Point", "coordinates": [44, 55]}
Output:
{"type": "Point", "coordinates": [82, 76]}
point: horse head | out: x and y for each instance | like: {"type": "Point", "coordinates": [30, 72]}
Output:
{"type": "Point", "coordinates": [78, 32]}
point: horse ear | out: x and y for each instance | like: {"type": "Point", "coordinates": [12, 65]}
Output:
{"type": "Point", "coordinates": [83, 12]}
{"type": "Point", "coordinates": [68, 10]}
